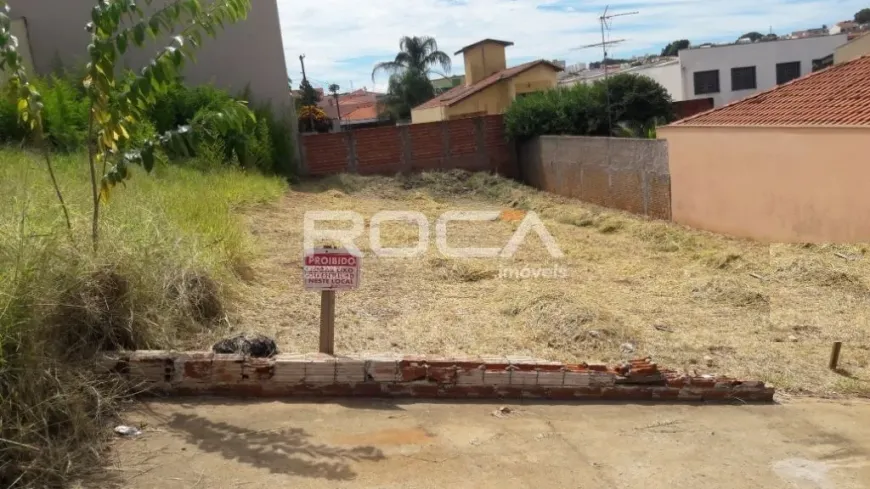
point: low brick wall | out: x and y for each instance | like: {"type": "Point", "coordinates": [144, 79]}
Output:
{"type": "Point", "coordinates": [387, 375]}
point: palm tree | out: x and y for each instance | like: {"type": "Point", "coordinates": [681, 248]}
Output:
{"type": "Point", "coordinates": [410, 85]}
{"type": "Point", "coordinates": [418, 54]}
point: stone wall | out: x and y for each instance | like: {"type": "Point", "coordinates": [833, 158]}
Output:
{"type": "Point", "coordinates": [622, 173]}
{"type": "Point", "coordinates": [395, 375]}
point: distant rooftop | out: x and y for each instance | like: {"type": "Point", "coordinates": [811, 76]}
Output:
{"type": "Point", "coordinates": [710, 45]}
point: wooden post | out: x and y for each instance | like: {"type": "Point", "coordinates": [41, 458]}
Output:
{"type": "Point", "coordinates": [835, 355]}
{"type": "Point", "coordinates": [327, 321]}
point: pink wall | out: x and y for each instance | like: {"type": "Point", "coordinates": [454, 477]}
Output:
{"type": "Point", "coordinates": [772, 184]}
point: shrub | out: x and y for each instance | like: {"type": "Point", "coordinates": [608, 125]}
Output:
{"type": "Point", "coordinates": [637, 103]}
{"type": "Point", "coordinates": [65, 113]}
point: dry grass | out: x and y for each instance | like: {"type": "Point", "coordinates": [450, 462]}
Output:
{"type": "Point", "coordinates": [170, 255]}
{"type": "Point", "coordinates": [684, 297]}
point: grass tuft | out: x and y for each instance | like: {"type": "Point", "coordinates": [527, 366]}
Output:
{"type": "Point", "coordinates": [168, 263]}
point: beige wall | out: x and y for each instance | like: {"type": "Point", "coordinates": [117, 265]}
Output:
{"type": "Point", "coordinates": [248, 53]}
{"type": "Point", "coordinates": [854, 49]}
{"type": "Point", "coordinates": [19, 30]}
{"type": "Point", "coordinates": [432, 114]}
{"type": "Point", "coordinates": [537, 79]}
{"type": "Point", "coordinates": [490, 101]}
{"type": "Point", "coordinates": [483, 60]}
{"type": "Point", "coordinates": [772, 184]}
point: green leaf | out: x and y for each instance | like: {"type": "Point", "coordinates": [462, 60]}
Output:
{"type": "Point", "coordinates": [122, 44]}
{"type": "Point", "coordinates": [154, 24]}
{"type": "Point", "coordinates": [139, 33]}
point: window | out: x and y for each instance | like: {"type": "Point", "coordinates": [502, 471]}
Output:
{"type": "Point", "coordinates": [706, 82]}
{"type": "Point", "coordinates": [786, 72]}
{"type": "Point", "coordinates": [743, 78]}
{"type": "Point", "coordinates": [822, 63]}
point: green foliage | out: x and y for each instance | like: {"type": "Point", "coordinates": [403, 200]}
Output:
{"type": "Point", "coordinates": [752, 36]}
{"type": "Point", "coordinates": [410, 71]}
{"type": "Point", "coordinates": [309, 94]}
{"type": "Point", "coordinates": [672, 49]}
{"type": "Point", "coordinates": [637, 104]}
{"type": "Point", "coordinates": [65, 113]}
{"type": "Point", "coordinates": [406, 91]}
{"type": "Point", "coordinates": [863, 16]}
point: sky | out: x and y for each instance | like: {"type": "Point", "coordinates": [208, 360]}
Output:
{"type": "Point", "coordinates": [343, 39]}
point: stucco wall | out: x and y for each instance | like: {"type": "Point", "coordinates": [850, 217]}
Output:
{"type": "Point", "coordinates": [854, 49]}
{"type": "Point", "coordinates": [433, 114]}
{"type": "Point", "coordinates": [251, 52]}
{"type": "Point", "coordinates": [490, 101]}
{"type": "Point", "coordinates": [537, 79]}
{"type": "Point", "coordinates": [622, 173]}
{"type": "Point", "coordinates": [772, 184]}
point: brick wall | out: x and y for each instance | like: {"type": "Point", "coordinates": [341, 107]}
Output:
{"type": "Point", "coordinates": [396, 375]}
{"type": "Point", "coordinates": [476, 144]}
{"type": "Point", "coordinates": [622, 173]}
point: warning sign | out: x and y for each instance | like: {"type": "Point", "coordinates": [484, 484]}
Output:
{"type": "Point", "coordinates": [331, 269]}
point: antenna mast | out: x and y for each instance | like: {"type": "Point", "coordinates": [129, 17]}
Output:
{"type": "Point", "coordinates": [604, 19]}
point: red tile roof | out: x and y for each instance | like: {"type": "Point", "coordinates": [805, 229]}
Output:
{"type": "Point", "coordinates": [457, 94]}
{"type": "Point", "coordinates": [362, 113]}
{"type": "Point", "coordinates": [836, 96]}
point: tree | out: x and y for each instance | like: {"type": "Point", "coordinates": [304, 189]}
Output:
{"type": "Point", "coordinates": [406, 91]}
{"type": "Point", "coordinates": [752, 36]}
{"type": "Point", "coordinates": [863, 16]}
{"type": "Point", "coordinates": [116, 107]}
{"type": "Point", "coordinates": [309, 95]}
{"type": "Point", "coordinates": [409, 83]}
{"type": "Point", "coordinates": [674, 48]}
{"type": "Point", "coordinates": [637, 102]}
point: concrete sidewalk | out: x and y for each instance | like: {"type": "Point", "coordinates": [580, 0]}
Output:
{"type": "Point", "coordinates": [218, 444]}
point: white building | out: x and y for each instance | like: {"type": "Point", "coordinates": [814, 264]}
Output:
{"type": "Point", "coordinates": [728, 72]}
{"type": "Point", "coordinates": [734, 71]}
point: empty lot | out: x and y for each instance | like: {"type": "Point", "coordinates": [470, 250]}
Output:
{"type": "Point", "coordinates": [692, 300]}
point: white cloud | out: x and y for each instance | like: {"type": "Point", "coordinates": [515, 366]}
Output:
{"type": "Point", "coordinates": [329, 32]}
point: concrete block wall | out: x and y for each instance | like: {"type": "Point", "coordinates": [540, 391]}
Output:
{"type": "Point", "coordinates": [621, 173]}
{"type": "Point", "coordinates": [474, 144]}
{"type": "Point", "coordinates": [415, 376]}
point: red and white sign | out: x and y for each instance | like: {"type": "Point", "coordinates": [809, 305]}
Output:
{"type": "Point", "coordinates": [331, 269]}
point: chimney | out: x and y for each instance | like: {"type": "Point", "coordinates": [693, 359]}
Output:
{"type": "Point", "coordinates": [483, 58]}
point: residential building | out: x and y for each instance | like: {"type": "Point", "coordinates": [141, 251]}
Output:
{"type": "Point", "coordinates": [490, 86]}
{"type": "Point", "coordinates": [856, 47]}
{"type": "Point", "coordinates": [357, 109]}
{"type": "Point", "coordinates": [443, 84]}
{"type": "Point", "coordinates": [664, 70]}
{"type": "Point", "coordinates": [819, 31]}
{"type": "Point", "coordinates": [248, 55]}
{"type": "Point", "coordinates": [731, 72]}
{"type": "Point", "coordinates": [782, 165]}
{"type": "Point", "coordinates": [847, 27]}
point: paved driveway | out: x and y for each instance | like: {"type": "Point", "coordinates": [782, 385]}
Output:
{"type": "Point", "coordinates": [216, 444]}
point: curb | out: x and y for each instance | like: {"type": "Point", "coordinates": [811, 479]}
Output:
{"type": "Point", "coordinates": [423, 377]}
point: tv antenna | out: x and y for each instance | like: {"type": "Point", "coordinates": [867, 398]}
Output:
{"type": "Point", "coordinates": [605, 21]}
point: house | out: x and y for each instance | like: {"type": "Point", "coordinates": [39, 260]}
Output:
{"type": "Point", "coordinates": [859, 46]}
{"type": "Point", "coordinates": [490, 86]}
{"type": "Point", "coordinates": [784, 165]}
{"type": "Point", "coordinates": [819, 31]}
{"type": "Point", "coordinates": [731, 72]}
{"type": "Point", "coordinates": [441, 85]}
{"type": "Point", "coordinates": [357, 109]}
{"type": "Point", "coordinates": [248, 55]}
{"type": "Point", "coordinates": [846, 26]}
{"type": "Point", "coordinates": [664, 70]}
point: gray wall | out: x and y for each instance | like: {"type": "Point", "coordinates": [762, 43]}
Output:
{"type": "Point", "coordinates": [251, 52]}
{"type": "Point", "coordinates": [622, 173]}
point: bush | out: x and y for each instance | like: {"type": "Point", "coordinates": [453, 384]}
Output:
{"type": "Point", "coordinates": [637, 103]}
{"type": "Point", "coordinates": [167, 265]}
{"type": "Point", "coordinates": [65, 113]}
